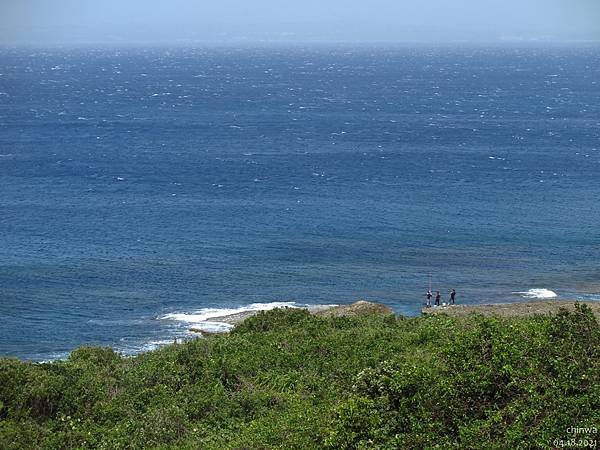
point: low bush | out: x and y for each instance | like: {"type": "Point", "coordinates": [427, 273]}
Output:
{"type": "Point", "coordinates": [290, 380]}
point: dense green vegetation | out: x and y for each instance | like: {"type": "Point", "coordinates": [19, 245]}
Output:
{"type": "Point", "coordinates": [287, 379]}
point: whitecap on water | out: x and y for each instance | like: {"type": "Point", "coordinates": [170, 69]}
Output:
{"type": "Point", "coordinates": [537, 294]}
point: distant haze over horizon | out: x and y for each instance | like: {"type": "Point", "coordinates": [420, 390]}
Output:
{"type": "Point", "coordinates": [184, 22]}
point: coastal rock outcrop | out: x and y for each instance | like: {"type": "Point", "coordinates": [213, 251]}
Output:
{"type": "Point", "coordinates": [355, 309]}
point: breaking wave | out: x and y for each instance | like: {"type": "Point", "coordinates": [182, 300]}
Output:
{"type": "Point", "coordinates": [537, 294]}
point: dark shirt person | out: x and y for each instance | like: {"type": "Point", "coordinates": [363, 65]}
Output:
{"type": "Point", "coordinates": [428, 295]}
{"type": "Point", "coordinates": [452, 296]}
{"type": "Point", "coordinates": [437, 298]}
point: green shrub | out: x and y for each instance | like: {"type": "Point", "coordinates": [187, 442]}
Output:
{"type": "Point", "coordinates": [287, 379]}
{"type": "Point", "coordinates": [495, 384]}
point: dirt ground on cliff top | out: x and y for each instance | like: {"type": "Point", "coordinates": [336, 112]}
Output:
{"type": "Point", "coordinates": [517, 309]}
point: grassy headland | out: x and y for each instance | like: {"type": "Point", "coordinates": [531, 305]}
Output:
{"type": "Point", "coordinates": [290, 379]}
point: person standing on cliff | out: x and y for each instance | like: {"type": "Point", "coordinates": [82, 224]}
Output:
{"type": "Point", "coordinates": [437, 298]}
{"type": "Point", "coordinates": [428, 295]}
{"type": "Point", "coordinates": [452, 295]}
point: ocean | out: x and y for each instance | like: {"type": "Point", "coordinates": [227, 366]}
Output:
{"type": "Point", "coordinates": [145, 190]}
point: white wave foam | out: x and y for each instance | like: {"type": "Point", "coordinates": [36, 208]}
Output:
{"type": "Point", "coordinates": [204, 314]}
{"type": "Point", "coordinates": [537, 294]}
{"type": "Point", "coordinates": [158, 343]}
{"type": "Point", "coordinates": [201, 319]}
{"type": "Point", "coordinates": [46, 359]}
{"type": "Point", "coordinates": [213, 327]}
{"type": "Point", "coordinates": [136, 348]}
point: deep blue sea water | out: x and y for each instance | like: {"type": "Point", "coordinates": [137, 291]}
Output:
{"type": "Point", "coordinates": [139, 187]}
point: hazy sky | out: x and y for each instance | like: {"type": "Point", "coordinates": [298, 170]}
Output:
{"type": "Point", "coordinates": [187, 21]}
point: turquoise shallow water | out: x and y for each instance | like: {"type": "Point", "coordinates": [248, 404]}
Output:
{"type": "Point", "coordinates": [142, 189]}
